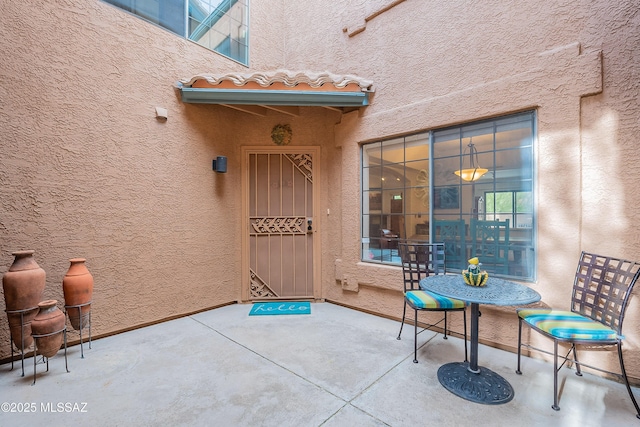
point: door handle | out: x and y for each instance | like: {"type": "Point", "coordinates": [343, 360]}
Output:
{"type": "Point", "coordinates": [309, 225]}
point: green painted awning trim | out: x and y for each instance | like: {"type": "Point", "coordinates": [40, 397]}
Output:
{"type": "Point", "coordinates": [274, 97]}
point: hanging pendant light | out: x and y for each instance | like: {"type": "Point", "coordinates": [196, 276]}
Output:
{"type": "Point", "coordinates": [474, 172]}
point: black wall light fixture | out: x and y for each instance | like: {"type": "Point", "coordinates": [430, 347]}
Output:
{"type": "Point", "coordinates": [220, 164]}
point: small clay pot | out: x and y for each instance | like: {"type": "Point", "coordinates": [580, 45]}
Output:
{"type": "Point", "coordinates": [49, 320]}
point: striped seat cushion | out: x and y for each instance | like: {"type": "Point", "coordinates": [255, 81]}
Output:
{"type": "Point", "coordinates": [426, 300]}
{"type": "Point", "coordinates": [564, 324]}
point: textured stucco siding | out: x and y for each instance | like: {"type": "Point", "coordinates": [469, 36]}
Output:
{"type": "Point", "coordinates": [86, 170]}
{"type": "Point", "coordinates": [435, 64]}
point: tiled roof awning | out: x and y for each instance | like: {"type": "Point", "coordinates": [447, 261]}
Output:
{"type": "Point", "coordinates": [283, 91]}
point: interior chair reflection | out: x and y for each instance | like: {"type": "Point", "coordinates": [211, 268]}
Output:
{"type": "Point", "coordinates": [453, 234]}
{"type": "Point", "coordinates": [490, 243]}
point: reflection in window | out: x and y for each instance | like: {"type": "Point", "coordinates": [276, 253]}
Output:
{"type": "Point", "coordinates": [395, 202]}
{"type": "Point", "coordinates": [219, 25]}
{"type": "Point", "coordinates": [516, 206]}
{"type": "Point", "coordinates": [410, 190]}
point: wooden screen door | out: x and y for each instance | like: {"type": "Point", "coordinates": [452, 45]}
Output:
{"type": "Point", "coordinates": [279, 243]}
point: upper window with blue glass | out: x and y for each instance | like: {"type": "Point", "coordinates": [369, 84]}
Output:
{"type": "Point", "coordinates": [219, 25]}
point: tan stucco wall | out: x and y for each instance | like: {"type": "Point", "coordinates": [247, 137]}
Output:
{"type": "Point", "coordinates": [574, 62]}
{"type": "Point", "coordinates": [86, 169]}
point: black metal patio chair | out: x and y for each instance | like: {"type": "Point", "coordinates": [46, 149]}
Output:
{"type": "Point", "coordinates": [419, 260]}
{"type": "Point", "coordinates": [600, 296]}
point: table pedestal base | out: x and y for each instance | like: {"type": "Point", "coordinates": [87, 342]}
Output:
{"type": "Point", "coordinates": [483, 387]}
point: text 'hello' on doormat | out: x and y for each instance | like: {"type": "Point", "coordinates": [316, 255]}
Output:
{"type": "Point", "coordinates": [279, 308]}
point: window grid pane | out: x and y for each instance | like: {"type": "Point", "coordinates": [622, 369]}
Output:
{"type": "Point", "coordinates": [400, 197]}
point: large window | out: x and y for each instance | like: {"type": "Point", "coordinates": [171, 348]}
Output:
{"type": "Point", "coordinates": [219, 25]}
{"type": "Point", "coordinates": [468, 186]}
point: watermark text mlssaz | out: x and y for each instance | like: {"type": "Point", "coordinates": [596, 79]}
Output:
{"type": "Point", "coordinates": [49, 407]}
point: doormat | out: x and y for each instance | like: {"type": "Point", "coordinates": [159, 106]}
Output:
{"type": "Point", "coordinates": [278, 308]}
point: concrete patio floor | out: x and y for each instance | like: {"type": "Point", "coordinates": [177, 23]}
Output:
{"type": "Point", "coordinates": [334, 367]}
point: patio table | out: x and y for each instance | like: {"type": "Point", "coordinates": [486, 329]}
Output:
{"type": "Point", "coordinates": [467, 379]}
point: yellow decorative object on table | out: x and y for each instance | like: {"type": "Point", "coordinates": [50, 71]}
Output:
{"type": "Point", "coordinates": [473, 275]}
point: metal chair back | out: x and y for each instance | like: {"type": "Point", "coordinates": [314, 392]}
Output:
{"type": "Point", "coordinates": [419, 260]}
{"type": "Point", "coordinates": [602, 288]}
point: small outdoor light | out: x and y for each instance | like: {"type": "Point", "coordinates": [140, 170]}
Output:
{"type": "Point", "coordinates": [474, 172]}
{"type": "Point", "coordinates": [220, 164]}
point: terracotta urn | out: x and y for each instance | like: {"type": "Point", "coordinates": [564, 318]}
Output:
{"type": "Point", "coordinates": [49, 320]}
{"type": "Point", "coordinates": [77, 286]}
{"type": "Point", "coordinates": [23, 286]}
